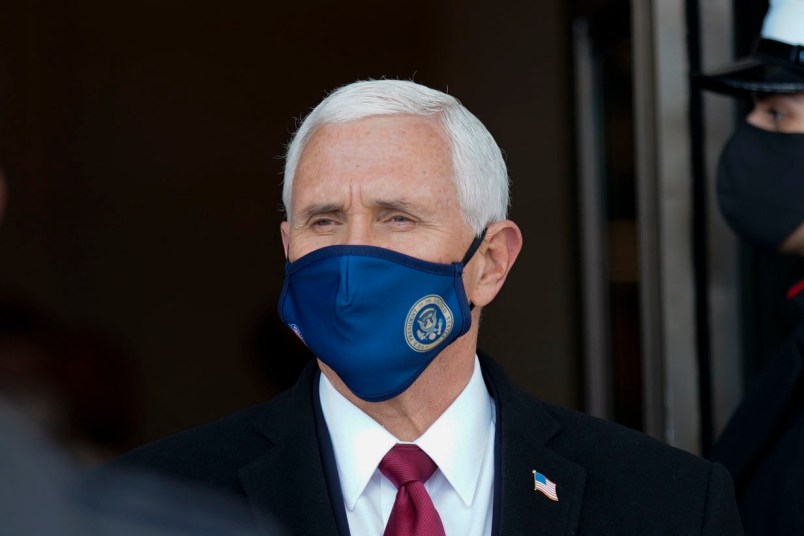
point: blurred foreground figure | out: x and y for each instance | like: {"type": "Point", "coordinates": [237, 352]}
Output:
{"type": "Point", "coordinates": [396, 238]}
{"type": "Point", "coordinates": [760, 187]}
{"type": "Point", "coordinates": [77, 384]}
{"type": "Point", "coordinates": [43, 491]}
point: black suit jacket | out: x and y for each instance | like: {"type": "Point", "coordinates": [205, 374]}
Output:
{"type": "Point", "coordinates": [610, 480]}
{"type": "Point", "coordinates": [763, 445]}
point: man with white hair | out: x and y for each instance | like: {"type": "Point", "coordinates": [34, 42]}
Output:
{"type": "Point", "coordinates": [396, 238]}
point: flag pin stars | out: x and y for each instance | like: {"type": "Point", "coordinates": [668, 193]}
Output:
{"type": "Point", "coordinates": [545, 485]}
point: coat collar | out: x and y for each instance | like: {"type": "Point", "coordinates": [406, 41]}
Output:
{"type": "Point", "coordinates": [291, 478]}
{"type": "Point", "coordinates": [524, 431]}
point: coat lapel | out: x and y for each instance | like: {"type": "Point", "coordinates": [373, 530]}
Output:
{"type": "Point", "coordinates": [286, 486]}
{"type": "Point", "coordinates": [288, 491]}
{"type": "Point", "coordinates": [524, 428]}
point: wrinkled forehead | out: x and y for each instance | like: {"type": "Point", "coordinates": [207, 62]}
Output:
{"type": "Point", "coordinates": [300, 144]}
{"type": "Point", "coordinates": [399, 129]}
{"type": "Point", "coordinates": [390, 152]}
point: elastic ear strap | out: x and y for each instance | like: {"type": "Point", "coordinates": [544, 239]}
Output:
{"type": "Point", "coordinates": [473, 247]}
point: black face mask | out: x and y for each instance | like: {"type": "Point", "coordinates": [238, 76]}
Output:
{"type": "Point", "coordinates": [760, 185]}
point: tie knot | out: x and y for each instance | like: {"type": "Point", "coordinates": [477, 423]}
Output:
{"type": "Point", "coordinates": [407, 463]}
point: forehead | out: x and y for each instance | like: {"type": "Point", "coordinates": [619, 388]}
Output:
{"type": "Point", "coordinates": [384, 152]}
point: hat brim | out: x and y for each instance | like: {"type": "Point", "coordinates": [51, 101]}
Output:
{"type": "Point", "coordinates": [748, 76]}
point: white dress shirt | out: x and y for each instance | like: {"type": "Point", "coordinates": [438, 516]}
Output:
{"type": "Point", "coordinates": [460, 442]}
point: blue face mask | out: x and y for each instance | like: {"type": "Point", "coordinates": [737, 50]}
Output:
{"type": "Point", "coordinates": [378, 318]}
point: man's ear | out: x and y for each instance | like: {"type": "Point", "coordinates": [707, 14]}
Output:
{"type": "Point", "coordinates": [284, 230]}
{"type": "Point", "coordinates": [495, 258]}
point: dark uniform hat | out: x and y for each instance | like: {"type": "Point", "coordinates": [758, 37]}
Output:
{"type": "Point", "coordinates": [776, 63]}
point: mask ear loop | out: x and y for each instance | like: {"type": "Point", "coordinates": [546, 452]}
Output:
{"type": "Point", "coordinates": [473, 247]}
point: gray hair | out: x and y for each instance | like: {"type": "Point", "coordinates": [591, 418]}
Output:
{"type": "Point", "coordinates": [479, 167]}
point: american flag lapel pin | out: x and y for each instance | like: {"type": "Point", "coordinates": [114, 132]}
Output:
{"type": "Point", "coordinates": [545, 485]}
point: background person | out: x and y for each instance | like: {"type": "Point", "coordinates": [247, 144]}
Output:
{"type": "Point", "coordinates": [760, 188]}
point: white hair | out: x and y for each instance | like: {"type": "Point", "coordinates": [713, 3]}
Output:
{"type": "Point", "coordinates": [481, 177]}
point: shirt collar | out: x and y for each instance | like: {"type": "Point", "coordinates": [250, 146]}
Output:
{"type": "Point", "coordinates": [456, 441]}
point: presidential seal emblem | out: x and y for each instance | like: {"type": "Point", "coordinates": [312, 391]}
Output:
{"type": "Point", "coordinates": [429, 322]}
{"type": "Point", "coordinates": [297, 331]}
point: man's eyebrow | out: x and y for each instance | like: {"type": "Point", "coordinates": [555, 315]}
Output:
{"type": "Point", "coordinates": [397, 204]}
{"type": "Point", "coordinates": [403, 205]}
{"type": "Point", "coordinates": [320, 208]}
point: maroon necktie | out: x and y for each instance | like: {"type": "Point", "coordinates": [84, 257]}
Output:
{"type": "Point", "coordinates": [408, 467]}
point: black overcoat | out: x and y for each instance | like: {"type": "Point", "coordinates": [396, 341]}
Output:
{"type": "Point", "coordinates": [610, 479]}
{"type": "Point", "coordinates": [762, 445]}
